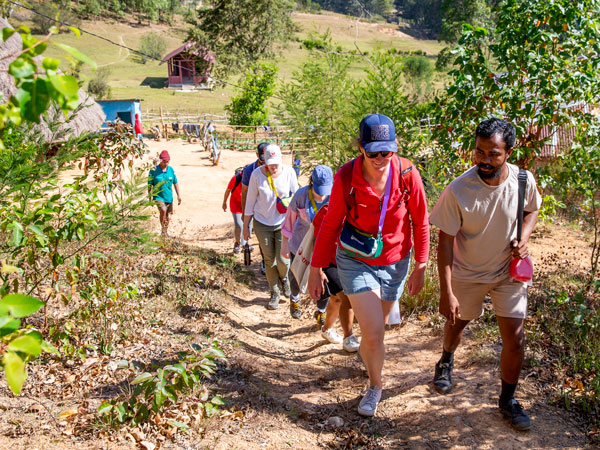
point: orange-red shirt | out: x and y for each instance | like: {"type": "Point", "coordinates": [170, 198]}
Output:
{"type": "Point", "coordinates": [365, 211]}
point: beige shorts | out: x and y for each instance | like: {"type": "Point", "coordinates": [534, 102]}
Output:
{"type": "Point", "coordinates": [164, 207]}
{"type": "Point", "coordinates": [509, 298]}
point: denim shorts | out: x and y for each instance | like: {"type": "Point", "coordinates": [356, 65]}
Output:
{"type": "Point", "coordinates": [358, 276]}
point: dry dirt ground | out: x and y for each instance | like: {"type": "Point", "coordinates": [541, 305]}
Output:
{"type": "Point", "coordinates": [287, 382]}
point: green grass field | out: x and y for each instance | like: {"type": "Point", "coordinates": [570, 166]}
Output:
{"type": "Point", "coordinates": [130, 78]}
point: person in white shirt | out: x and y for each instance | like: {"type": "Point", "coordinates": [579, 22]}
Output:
{"type": "Point", "coordinates": [270, 190]}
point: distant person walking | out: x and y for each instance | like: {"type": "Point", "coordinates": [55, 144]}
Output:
{"type": "Point", "coordinates": [234, 188]}
{"type": "Point", "coordinates": [376, 199]}
{"type": "Point", "coordinates": [161, 181]}
{"type": "Point", "coordinates": [477, 216]}
{"type": "Point", "coordinates": [269, 193]}
{"type": "Point", "coordinates": [139, 131]}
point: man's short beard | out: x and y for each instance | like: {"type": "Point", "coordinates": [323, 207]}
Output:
{"type": "Point", "coordinates": [493, 175]}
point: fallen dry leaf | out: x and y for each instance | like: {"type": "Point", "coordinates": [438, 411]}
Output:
{"type": "Point", "coordinates": [147, 445]}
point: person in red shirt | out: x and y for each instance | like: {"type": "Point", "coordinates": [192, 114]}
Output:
{"type": "Point", "coordinates": [375, 201]}
{"type": "Point", "coordinates": [234, 188]}
{"type": "Point", "coordinates": [139, 131]}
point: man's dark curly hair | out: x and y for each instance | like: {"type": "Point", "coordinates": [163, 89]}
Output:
{"type": "Point", "coordinates": [493, 126]}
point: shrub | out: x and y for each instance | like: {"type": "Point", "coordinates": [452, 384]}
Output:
{"type": "Point", "coordinates": [249, 107]}
{"type": "Point", "coordinates": [152, 45]}
{"type": "Point", "coordinates": [98, 86]}
{"type": "Point", "coordinates": [43, 24]}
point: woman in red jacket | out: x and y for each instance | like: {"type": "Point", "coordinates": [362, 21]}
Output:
{"type": "Point", "coordinates": [375, 199]}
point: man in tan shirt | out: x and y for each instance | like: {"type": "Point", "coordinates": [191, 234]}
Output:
{"type": "Point", "coordinates": [476, 215]}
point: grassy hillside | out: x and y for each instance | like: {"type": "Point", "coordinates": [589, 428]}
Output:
{"type": "Point", "coordinates": [131, 79]}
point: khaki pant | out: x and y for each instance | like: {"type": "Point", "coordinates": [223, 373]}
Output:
{"type": "Point", "coordinates": [269, 240]}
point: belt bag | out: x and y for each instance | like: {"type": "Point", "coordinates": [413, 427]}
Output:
{"type": "Point", "coordinates": [282, 204]}
{"type": "Point", "coordinates": [359, 244]}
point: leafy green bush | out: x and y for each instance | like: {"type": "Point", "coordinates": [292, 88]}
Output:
{"type": "Point", "coordinates": [152, 392]}
{"type": "Point", "coordinates": [43, 24]}
{"type": "Point", "coordinates": [98, 86]}
{"type": "Point", "coordinates": [152, 45]}
{"type": "Point", "coordinates": [249, 107]}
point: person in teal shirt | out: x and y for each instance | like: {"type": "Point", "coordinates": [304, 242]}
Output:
{"type": "Point", "coordinates": [160, 188]}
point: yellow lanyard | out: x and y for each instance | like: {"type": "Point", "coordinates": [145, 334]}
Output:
{"type": "Point", "coordinates": [271, 184]}
{"type": "Point", "coordinates": [312, 201]}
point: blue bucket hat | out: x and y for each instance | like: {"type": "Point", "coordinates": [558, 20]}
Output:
{"type": "Point", "coordinates": [378, 134]}
{"type": "Point", "coordinates": [322, 180]}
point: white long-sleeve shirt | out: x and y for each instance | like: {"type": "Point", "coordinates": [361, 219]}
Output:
{"type": "Point", "coordinates": [261, 201]}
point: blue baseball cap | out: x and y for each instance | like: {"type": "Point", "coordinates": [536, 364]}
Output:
{"type": "Point", "coordinates": [378, 134]}
{"type": "Point", "coordinates": [322, 180]}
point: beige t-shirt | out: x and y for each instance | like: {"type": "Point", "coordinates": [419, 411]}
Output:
{"type": "Point", "coordinates": [483, 219]}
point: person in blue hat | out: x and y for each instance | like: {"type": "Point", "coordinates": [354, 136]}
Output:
{"type": "Point", "coordinates": [305, 205]}
{"type": "Point", "coordinates": [376, 212]}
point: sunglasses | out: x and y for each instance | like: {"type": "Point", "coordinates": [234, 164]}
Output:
{"type": "Point", "coordinates": [373, 155]}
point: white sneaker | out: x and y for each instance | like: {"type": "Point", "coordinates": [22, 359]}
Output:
{"type": "Point", "coordinates": [351, 344]}
{"type": "Point", "coordinates": [331, 335]}
{"type": "Point", "coordinates": [368, 404]}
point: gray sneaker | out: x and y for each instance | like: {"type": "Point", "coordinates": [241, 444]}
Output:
{"type": "Point", "coordinates": [274, 302]}
{"type": "Point", "coordinates": [368, 404]}
{"type": "Point", "coordinates": [351, 344]}
{"type": "Point", "coordinates": [285, 286]}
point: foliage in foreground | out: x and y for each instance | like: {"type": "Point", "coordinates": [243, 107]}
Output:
{"type": "Point", "coordinates": [151, 392]}
{"type": "Point", "coordinates": [18, 346]}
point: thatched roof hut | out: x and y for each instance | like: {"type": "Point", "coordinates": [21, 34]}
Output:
{"type": "Point", "coordinates": [89, 118]}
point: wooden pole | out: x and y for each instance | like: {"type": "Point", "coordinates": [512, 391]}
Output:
{"type": "Point", "coordinates": [162, 121]}
{"type": "Point", "coordinates": [255, 135]}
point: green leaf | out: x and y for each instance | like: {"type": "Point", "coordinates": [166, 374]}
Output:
{"type": "Point", "coordinates": [49, 348]}
{"type": "Point", "coordinates": [217, 401]}
{"type": "Point", "coordinates": [141, 378]}
{"type": "Point", "coordinates": [183, 426]}
{"type": "Point", "coordinates": [75, 30]}
{"type": "Point", "coordinates": [65, 84]}
{"type": "Point", "coordinates": [7, 32]}
{"type": "Point", "coordinates": [121, 412]}
{"type": "Point", "coordinates": [50, 63]}
{"type": "Point", "coordinates": [19, 305]}
{"type": "Point", "coordinates": [98, 255]}
{"type": "Point", "coordinates": [105, 407]}
{"type": "Point", "coordinates": [26, 344]}
{"type": "Point", "coordinates": [14, 370]}
{"type": "Point", "coordinates": [17, 232]}
{"type": "Point", "coordinates": [21, 68]}
{"type": "Point", "coordinates": [8, 325]}
{"type": "Point", "coordinates": [40, 98]}
{"type": "Point", "coordinates": [77, 54]}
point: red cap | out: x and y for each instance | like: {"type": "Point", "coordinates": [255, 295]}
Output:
{"type": "Point", "coordinates": [164, 155]}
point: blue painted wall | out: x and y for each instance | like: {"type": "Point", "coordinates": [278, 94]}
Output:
{"type": "Point", "coordinates": [125, 109]}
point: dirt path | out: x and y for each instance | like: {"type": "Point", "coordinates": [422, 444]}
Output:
{"type": "Point", "coordinates": [288, 381]}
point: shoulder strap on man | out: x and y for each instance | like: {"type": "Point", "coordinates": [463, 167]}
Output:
{"type": "Point", "coordinates": [522, 178]}
{"type": "Point", "coordinates": [405, 167]}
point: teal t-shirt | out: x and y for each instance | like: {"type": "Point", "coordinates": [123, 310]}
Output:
{"type": "Point", "coordinates": [165, 179]}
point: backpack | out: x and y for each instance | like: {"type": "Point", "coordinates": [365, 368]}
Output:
{"type": "Point", "coordinates": [238, 177]}
{"type": "Point", "coordinates": [346, 173]}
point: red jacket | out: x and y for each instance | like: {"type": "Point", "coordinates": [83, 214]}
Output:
{"type": "Point", "coordinates": [397, 240]}
{"type": "Point", "coordinates": [317, 222]}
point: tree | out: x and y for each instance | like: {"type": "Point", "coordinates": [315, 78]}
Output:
{"type": "Point", "coordinates": [457, 12]}
{"type": "Point", "coordinates": [315, 105]}
{"type": "Point", "coordinates": [241, 32]}
{"type": "Point", "coordinates": [542, 63]}
{"type": "Point", "coordinates": [249, 107]}
{"type": "Point", "coordinates": [153, 45]}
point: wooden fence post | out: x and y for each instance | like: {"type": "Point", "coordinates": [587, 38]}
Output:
{"type": "Point", "coordinates": [162, 121]}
